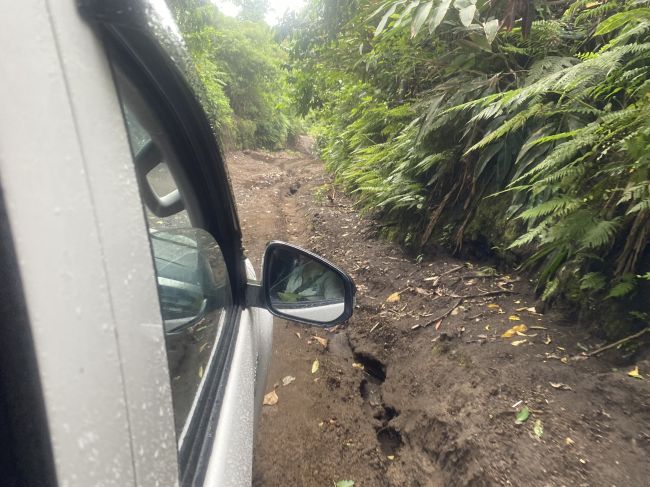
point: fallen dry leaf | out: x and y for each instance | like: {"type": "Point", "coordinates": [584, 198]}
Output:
{"type": "Point", "coordinates": [516, 343]}
{"type": "Point", "coordinates": [635, 373]}
{"type": "Point", "coordinates": [568, 441]}
{"type": "Point", "coordinates": [547, 340]}
{"type": "Point", "coordinates": [391, 457]}
{"type": "Point", "coordinates": [438, 323]}
{"type": "Point", "coordinates": [314, 366]}
{"type": "Point", "coordinates": [561, 386]}
{"type": "Point", "coordinates": [393, 298]}
{"type": "Point", "coordinates": [356, 365]}
{"type": "Point", "coordinates": [298, 335]}
{"type": "Point", "coordinates": [493, 306]}
{"type": "Point", "coordinates": [271, 399]}
{"type": "Point", "coordinates": [514, 318]}
{"type": "Point", "coordinates": [322, 341]}
{"type": "Point", "coordinates": [531, 310]}
{"type": "Point", "coordinates": [288, 380]}
{"type": "Point", "coordinates": [526, 334]}
{"type": "Point", "coordinates": [423, 292]}
{"type": "Point", "coordinates": [513, 331]}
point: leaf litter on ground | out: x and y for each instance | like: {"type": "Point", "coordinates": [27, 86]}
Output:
{"type": "Point", "coordinates": [635, 373]}
{"type": "Point", "coordinates": [288, 380]}
{"type": "Point", "coordinates": [393, 298]}
{"type": "Point", "coordinates": [538, 428]}
{"type": "Point", "coordinates": [514, 331]}
{"type": "Point", "coordinates": [530, 310]}
{"type": "Point", "coordinates": [271, 399]}
{"type": "Point", "coordinates": [314, 366]}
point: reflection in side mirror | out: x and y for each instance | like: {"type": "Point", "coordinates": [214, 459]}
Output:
{"type": "Point", "coordinates": [186, 284]}
{"type": "Point", "coordinates": [304, 287]}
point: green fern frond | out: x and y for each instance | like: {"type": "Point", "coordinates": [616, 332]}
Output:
{"type": "Point", "coordinates": [600, 234]}
{"type": "Point", "coordinates": [514, 123]}
{"type": "Point", "coordinates": [623, 288]}
{"type": "Point", "coordinates": [556, 206]}
{"type": "Point", "coordinates": [593, 281]}
{"type": "Point", "coordinates": [643, 205]}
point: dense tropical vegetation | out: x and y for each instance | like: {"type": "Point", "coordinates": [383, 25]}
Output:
{"type": "Point", "coordinates": [515, 129]}
{"type": "Point", "coordinates": [241, 66]}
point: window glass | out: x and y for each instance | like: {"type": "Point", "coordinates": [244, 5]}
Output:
{"type": "Point", "coordinates": [193, 284]}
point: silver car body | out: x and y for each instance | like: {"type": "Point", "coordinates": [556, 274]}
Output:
{"type": "Point", "coordinates": [84, 258]}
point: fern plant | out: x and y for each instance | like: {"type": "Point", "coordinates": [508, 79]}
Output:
{"type": "Point", "coordinates": [532, 135]}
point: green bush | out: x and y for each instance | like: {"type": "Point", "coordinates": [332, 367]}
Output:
{"type": "Point", "coordinates": [241, 64]}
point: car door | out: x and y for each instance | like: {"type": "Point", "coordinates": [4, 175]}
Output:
{"type": "Point", "coordinates": [217, 364]}
{"type": "Point", "coordinates": [99, 269]}
{"type": "Point", "coordinates": [215, 361]}
{"type": "Point", "coordinates": [141, 338]}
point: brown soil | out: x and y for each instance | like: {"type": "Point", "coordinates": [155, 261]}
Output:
{"type": "Point", "coordinates": [434, 405]}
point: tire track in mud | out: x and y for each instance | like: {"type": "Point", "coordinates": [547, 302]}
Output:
{"type": "Point", "coordinates": [332, 425]}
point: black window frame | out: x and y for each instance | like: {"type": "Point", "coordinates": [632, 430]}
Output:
{"type": "Point", "coordinates": [166, 91]}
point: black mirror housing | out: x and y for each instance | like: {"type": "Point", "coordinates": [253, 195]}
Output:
{"type": "Point", "coordinates": [301, 286]}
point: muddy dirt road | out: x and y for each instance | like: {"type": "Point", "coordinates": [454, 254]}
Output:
{"type": "Point", "coordinates": [421, 388]}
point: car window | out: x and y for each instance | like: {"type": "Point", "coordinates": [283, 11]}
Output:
{"type": "Point", "coordinates": [193, 282]}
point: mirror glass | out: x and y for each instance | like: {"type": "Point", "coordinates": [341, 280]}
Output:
{"type": "Point", "coordinates": [187, 286]}
{"type": "Point", "coordinates": [303, 288]}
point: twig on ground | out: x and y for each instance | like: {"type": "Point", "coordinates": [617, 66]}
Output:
{"type": "Point", "coordinates": [485, 294]}
{"type": "Point", "coordinates": [374, 327]}
{"type": "Point", "coordinates": [619, 342]}
{"type": "Point", "coordinates": [452, 270]}
{"type": "Point", "coordinates": [441, 317]}
{"type": "Point", "coordinates": [459, 300]}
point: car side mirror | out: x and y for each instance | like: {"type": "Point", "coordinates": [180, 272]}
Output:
{"type": "Point", "coordinates": [301, 286]}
